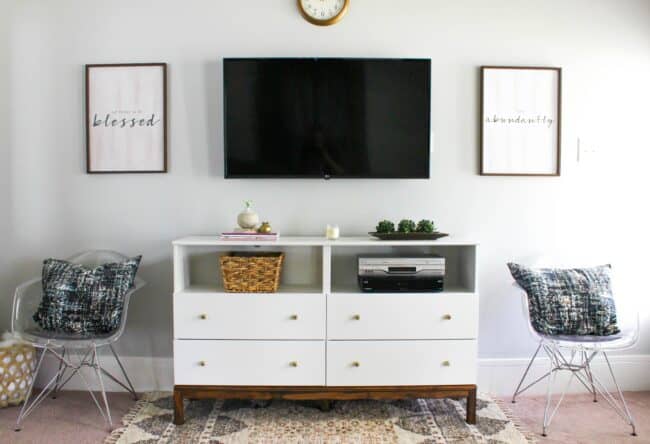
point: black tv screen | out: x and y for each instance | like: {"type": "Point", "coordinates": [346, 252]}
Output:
{"type": "Point", "coordinates": [327, 118]}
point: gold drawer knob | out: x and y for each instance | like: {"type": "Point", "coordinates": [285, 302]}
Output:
{"type": "Point", "coordinates": [293, 364]}
{"type": "Point", "coordinates": [202, 363]}
{"type": "Point", "coordinates": [356, 364]}
{"type": "Point", "coordinates": [293, 317]}
{"type": "Point", "coordinates": [447, 317]}
{"type": "Point", "coordinates": [446, 364]}
{"type": "Point", "coordinates": [203, 316]}
{"type": "Point", "coordinates": [356, 317]}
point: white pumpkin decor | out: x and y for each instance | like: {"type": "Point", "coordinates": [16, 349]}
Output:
{"type": "Point", "coordinates": [248, 219]}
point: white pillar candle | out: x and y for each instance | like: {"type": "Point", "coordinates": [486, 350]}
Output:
{"type": "Point", "coordinates": [332, 232]}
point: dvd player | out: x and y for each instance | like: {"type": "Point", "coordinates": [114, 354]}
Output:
{"type": "Point", "coordinates": [385, 274]}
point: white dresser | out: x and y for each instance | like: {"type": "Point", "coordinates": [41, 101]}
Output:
{"type": "Point", "coordinates": [319, 337]}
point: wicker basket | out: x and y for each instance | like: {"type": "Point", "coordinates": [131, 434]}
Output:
{"type": "Point", "coordinates": [251, 273]}
{"type": "Point", "coordinates": [17, 363]}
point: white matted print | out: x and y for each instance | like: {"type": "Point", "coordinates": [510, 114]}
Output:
{"type": "Point", "coordinates": [520, 121]}
{"type": "Point", "coordinates": [126, 113]}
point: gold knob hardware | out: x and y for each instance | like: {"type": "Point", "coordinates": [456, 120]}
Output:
{"type": "Point", "coordinates": [203, 316]}
{"type": "Point", "coordinates": [356, 317]}
{"type": "Point", "coordinates": [447, 317]}
{"type": "Point", "coordinates": [293, 364]}
{"type": "Point", "coordinates": [356, 364]}
{"type": "Point", "coordinates": [202, 364]}
{"type": "Point", "coordinates": [446, 363]}
{"type": "Point", "coordinates": [293, 317]}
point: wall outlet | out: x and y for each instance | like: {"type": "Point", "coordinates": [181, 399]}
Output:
{"type": "Point", "coordinates": [588, 150]}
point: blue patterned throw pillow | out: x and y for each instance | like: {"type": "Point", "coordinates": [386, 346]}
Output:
{"type": "Point", "coordinates": [574, 301]}
{"type": "Point", "coordinates": [82, 300]}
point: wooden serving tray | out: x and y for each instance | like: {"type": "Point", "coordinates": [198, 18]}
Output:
{"type": "Point", "coordinates": [408, 236]}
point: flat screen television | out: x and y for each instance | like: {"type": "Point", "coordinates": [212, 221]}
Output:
{"type": "Point", "coordinates": [327, 118]}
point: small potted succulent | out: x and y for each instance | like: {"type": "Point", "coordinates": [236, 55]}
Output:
{"type": "Point", "coordinates": [425, 226]}
{"type": "Point", "coordinates": [406, 226]}
{"type": "Point", "coordinates": [385, 226]}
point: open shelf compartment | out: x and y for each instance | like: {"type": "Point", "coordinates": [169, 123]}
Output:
{"type": "Point", "coordinates": [460, 265]}
{"type": "Point", "coordinates": [197, 268]}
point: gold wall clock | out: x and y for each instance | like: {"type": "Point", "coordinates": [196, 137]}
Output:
{"type": "Point", "coordinates": [323, 12]}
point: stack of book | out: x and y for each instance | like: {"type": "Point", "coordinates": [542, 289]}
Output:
{"type": "Point", "coordinates": [249, 236]}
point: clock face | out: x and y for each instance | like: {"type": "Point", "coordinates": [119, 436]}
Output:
{"type": "Point", "coordinates": [323, 12]}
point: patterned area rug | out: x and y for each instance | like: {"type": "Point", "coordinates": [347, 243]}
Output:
{"type": "Point", "coordinates": [422, 421]}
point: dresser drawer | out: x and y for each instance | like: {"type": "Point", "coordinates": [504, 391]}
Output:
{"type": "Point", "coordinates": [407, 316]}
{"type": "Point", "coordinates": [249, 363]}
{"type": "Point", "coordinates": [249, 316]}
{"type": "Point", "coordinates": [401, 362]}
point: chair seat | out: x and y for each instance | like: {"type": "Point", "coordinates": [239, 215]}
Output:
{"type": "Point", "coordinates": [619, 340]}
{"type": "Point", "coordinates": [586, 338]}
{"type": "Point", "coordinates": [38, 335]}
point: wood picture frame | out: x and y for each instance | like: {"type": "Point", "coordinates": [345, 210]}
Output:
{"type": "Point", "coordinates": [126, 118]}
{"type": "Point", "coordinates": [521, 121]}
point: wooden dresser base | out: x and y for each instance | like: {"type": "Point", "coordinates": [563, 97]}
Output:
{"type": "Point", "coordinates": [182, 392]}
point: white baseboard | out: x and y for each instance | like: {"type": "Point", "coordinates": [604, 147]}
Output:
{"type": "Point", "coordinates": [501, 376]}
{"type": "Point", "coordinates": [495, 376]}
{"type": "Point", "coordinates": [146, 374]}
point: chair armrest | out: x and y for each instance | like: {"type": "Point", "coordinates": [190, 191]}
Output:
{"type": "Point", "coordinates": [525, 309]}
{"type": "Point", "coordinates": [139, 283]}
{"type": "Point", "coordinates": [517, 286]}
{"type": "Point", "coordinates": [22, 287]}
{"type": "Point", "coordinates": [22, 292]}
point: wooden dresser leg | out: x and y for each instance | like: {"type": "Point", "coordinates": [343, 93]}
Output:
{"type": "Point", "coordinates": [179, 412]}
{"type": "Point", "coordinates": [471, 406]}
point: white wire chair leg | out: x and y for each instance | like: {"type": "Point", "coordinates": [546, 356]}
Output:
{"type": "Point", "coordinates": [583, 373]}
{"type": "Point", "coordinates": [73, 369]}
{"type": "Point", "coordinates": [557, 362]}
{"type": "Point", "coordinates": [98, 371]}
{"type": "Point", "coordinates": [517, 390]}
{"type": "Point", "coordinates": [55, 392]}
{"type": "Point", "coordinates": [29, 407]}
{"type": "Point", "coordinates": [551, 380]}
{"type": "Point", "coordinates": [84, 362]}
{"type": "Point", "coordinates": [590, 376]}
{"type": "Point", "coordinates": [40, 398]}
{"type": "Point", "coordinates": [126, 376]}
{"type": "Point", "coordinates": [71, 364]}
{"type": "Point", "coordinates": [21, 414]}
{"type": "Point", "coordinates": [117, 381]}
{"type": "Point", "coordinates": [629, 418]}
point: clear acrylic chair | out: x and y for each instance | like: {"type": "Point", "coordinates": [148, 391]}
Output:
{"type": "Point", "coordinates": [576, 354]}
{"type": "Point", "coordinates": [72, 351]}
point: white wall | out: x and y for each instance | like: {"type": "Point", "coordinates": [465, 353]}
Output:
{"type": "Point", "coordinates": [6, 229]}
{"type": "Point", "coordinates": [50, 207]}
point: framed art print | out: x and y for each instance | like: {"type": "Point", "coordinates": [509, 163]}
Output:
{"type": "Point", "coordinates": [126, 118]}
{"type": "Point", "coordinates": [520, 121]}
